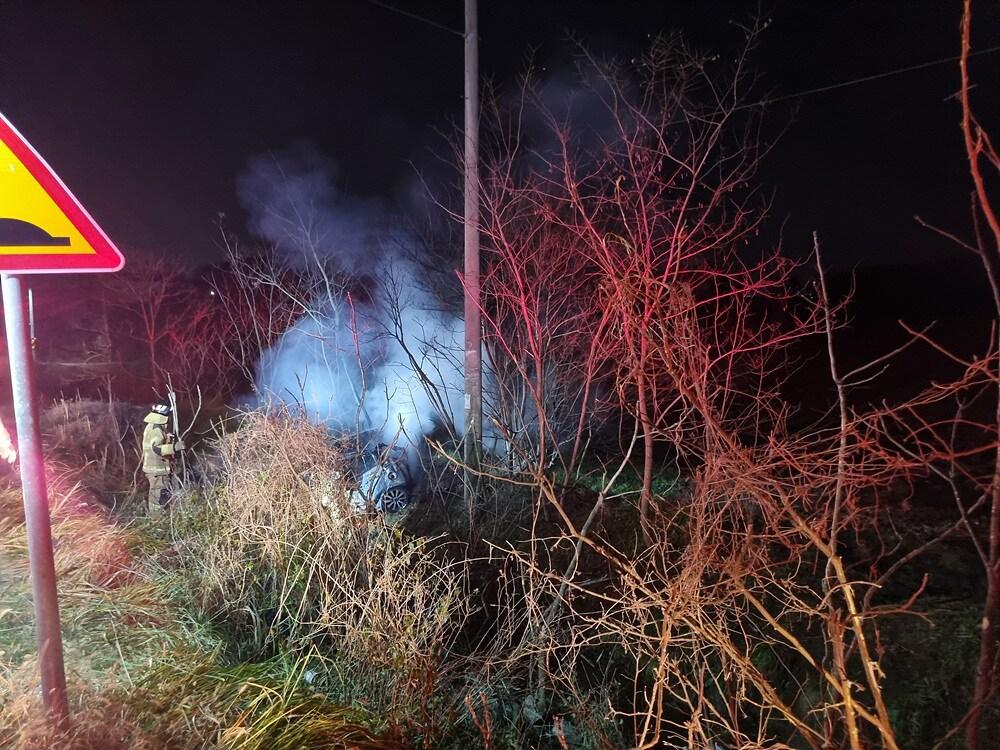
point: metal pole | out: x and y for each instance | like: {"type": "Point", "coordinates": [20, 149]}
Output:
{"type": "Point", "coordinates": [36, 504]}
{"type": "Point", "coordinates": [473, 323]}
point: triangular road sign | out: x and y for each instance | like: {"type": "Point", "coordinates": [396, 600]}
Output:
{"type": "Point", "coordinates": [43, 227]}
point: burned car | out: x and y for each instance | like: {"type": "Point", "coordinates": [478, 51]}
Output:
{"type": "Point", "coordinates": [383, 480]}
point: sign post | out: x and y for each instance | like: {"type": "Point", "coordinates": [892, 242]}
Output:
{"type": "Point", "coordinates": [43, 229]}
{"type": "Point", "coordinates": [36, 501]}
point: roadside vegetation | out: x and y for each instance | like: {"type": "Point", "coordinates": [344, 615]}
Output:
{"type": "Point", "coordinates": [673, 549]}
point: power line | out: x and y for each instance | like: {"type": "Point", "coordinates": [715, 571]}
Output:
{"type": "Point", "coordinates": [761, 102]}
{"type": "Point", "coordinates": [866, 79]}
{"type": "Point", "coordinates": [416, 17]}
{"type": "Point", "coordinates": [767, 100]}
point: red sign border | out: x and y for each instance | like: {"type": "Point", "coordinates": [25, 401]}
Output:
{"type": "Point", "coordinates": [106, 258]}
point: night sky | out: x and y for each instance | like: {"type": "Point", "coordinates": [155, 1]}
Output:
{"type": "Point", "coordinates": [149, 111]}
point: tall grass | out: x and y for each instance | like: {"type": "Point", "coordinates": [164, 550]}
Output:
{"type": "Point", "coordinates": [114, 622]}
{"type": "Point", "coordinates": [198, 702]}
{"type": "Point", "coordinates": [168, 631]}
{"type": "Point", "coordinates": [275, 553]}
{"type": "Point", "coordinates": [95, 442]}
{"type": "Point", "coordinates": [275, 550]}
{"type": "Point", "coordinates": [261, 613]}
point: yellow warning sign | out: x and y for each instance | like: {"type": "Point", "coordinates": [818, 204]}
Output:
{"type": "Point", "coordinates": [43, 227]}
{"type": "Point", "coordinates": [29, 214]}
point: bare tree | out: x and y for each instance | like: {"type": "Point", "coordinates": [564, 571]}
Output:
{"type": "Point", "coordinates": [982, 155]}
{"type": "Point", "coordinates": [148, 295]}
{"type": "Point", "coordinates": [964, 451]}
{"type": "Point", "coordinates": [260, 299]}
{"type": "Point", "coordinates": [633, 247]}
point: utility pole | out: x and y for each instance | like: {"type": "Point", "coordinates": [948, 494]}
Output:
{"type": "Point", "coordinates": [36, 501]}
{"type": "Point", "coordinates": [473, 324]}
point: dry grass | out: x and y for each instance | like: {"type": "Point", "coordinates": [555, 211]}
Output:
{"type": "Point", "coordinates": [138, 676]}
{"type": "Point", "coordinates": [112, 620]}
{"type": "Point", "coordinates": [208, 630]}
{"type": "Point", "coordinates": [97, 442]}
{"type": "Point", "coordinates": [89, 548]}
{"type": "Point", "coordinates": [196, 704]}
{"type": "Point", "coordinates": [278, 549]}
{"type": "Point", "coordinates": [265, 536]}
{"type": "Point", "coordinates": [276, 554]}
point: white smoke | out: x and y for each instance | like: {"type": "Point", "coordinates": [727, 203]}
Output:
{"type": "Point", "coordinates": [374, 354]}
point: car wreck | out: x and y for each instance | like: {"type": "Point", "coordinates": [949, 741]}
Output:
{"type": "Point", "coordinates": [383, 480]}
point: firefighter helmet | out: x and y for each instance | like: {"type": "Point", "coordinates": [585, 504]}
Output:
{"type": "Point", "coordinates": [162, 408]}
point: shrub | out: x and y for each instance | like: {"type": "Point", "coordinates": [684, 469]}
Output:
{"type": "Point", "coordinates": [275, 552]}
{"type": "Point", "coordinates": [98, 442]}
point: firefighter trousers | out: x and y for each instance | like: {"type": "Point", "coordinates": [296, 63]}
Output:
{"type": "Point", "coordinates": [158, 500]}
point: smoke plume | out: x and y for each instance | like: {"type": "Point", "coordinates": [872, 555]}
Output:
{"type": "Point", "coordinates": [374, 353]}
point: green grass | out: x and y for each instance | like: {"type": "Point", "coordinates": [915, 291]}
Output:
{"type": "Point", "coordinates": [667, 481]}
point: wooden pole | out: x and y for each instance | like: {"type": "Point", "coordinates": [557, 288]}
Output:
{"type": "Point", "coordinates": [473, 324]}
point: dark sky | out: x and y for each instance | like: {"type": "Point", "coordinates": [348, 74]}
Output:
{"type": "Point", "coordinates": [149, 111]}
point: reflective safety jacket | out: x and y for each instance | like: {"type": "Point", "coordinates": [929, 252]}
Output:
{"type": "Point", "coordinates": [156, 451]}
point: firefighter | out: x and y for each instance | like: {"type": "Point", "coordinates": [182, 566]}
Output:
{"type": "Point", "coordinates": [159, 447]}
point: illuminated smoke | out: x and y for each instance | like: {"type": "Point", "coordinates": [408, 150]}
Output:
{"type": "Point", "coordinates": [351, 363]}
{"type": "Point", "coordinates": [8, 452]}
{"type": "Point", "coordinates": [374, 354]}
